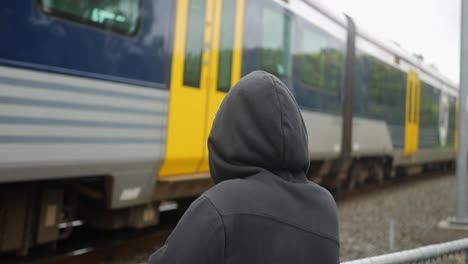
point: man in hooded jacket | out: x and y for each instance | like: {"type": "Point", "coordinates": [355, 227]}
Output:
{"type": "Point", "coordinates": [262, 209]}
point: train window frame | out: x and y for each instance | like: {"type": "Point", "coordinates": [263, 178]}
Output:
{"type": "Point", "coordinates": [70, 18]}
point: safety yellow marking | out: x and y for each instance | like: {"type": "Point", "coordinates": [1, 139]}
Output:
{"type": "Point", "coordinates": [238, 39]}
{"type": "Point", "coordinates": [413, 99]}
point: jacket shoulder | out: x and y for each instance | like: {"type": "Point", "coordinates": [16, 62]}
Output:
{"type": "Point", "coordinates": [304, 205]}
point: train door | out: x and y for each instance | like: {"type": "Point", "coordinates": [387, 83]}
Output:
{"type": "Point", "coordinates": [206, 62]}
{"type": "Point", "coordinates": [413, 95]}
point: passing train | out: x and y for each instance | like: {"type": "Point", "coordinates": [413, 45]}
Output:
{"type": "Point", "coordinates": [105, 106]}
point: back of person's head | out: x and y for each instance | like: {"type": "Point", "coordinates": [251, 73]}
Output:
{"type": "Point", "coordinates": [258, 127]}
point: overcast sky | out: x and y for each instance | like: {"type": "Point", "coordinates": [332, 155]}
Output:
{"type": "Point", "coordinates": [427, 27]}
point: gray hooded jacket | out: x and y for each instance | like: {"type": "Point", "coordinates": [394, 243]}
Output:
{"type": "Point", "coordinates": [262, 208]}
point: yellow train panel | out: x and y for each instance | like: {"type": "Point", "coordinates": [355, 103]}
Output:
{"type": "Point", "coordinates": [413, 95]}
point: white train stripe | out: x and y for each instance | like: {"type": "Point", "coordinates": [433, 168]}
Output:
{"type": "Point", "coordinates": [67, 131]}
{"type": "Point", "coordinates": [77, 89]}
{"type": "Point", "coordinates": [74, 123]}
{"type": "Point", "coordinates": [77, 106]}
{"type": "Point", "coordinates": [92, 85]}
{"type": "Point", "coordinates": [19, 154]}
{"type": "Point", "coordinates": [73, 114]}
{"type": "Point", "coordinates": [13, 139]}
{"type": "Point", "coordinates": [73, 97]}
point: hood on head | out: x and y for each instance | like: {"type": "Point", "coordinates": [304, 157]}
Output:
{"type": "Point", "coordinates": [258, 127]}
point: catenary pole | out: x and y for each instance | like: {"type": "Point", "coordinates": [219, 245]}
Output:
{"type": "Point", "coordinates": [462, 159]}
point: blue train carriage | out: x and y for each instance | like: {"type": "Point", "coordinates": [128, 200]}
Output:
{"type": "Point", "coordinates": [83, 115]}
{"type": "Point", "coordinates": [106, 106]}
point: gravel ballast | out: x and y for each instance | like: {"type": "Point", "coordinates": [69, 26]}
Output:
{"type": "Point", "coordinates": [415, 207]}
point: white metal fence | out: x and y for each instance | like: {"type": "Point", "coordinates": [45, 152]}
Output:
{"type": "Point", "coordinates": [449, 252]}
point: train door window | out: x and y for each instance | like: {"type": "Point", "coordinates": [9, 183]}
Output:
{"type": "Point", "coordinates": [194, 44]}
{"type": "Point", "coordinates": [119, 16]}
{"type": "Point", "coordinates": [226, 45]}
{"type": "Point", "coordinates": [410, 102]}
{"type": "Point", "coordinates": [276, 45]}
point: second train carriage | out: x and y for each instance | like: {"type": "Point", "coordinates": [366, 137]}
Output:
{"type": "Point", "coordinates": [105, 106]}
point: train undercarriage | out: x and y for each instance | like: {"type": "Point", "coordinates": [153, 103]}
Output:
{"type": "Point", "coordinates": [42, 213]}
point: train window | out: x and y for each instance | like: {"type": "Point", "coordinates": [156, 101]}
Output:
{"type": "Point", "coordinates": [119, 16]}
{"type": "Point", "coordinates": [380, 91]}
{"type": "Point", "coordinates": [429, 116]}
{"type": "Point", "coordinates": [410, 108]}
{"type": "Point", "coordinates": [318, 65]}
{"type": "Point", "coordinates": [194, 43]}
{"type": "Point", "coordinates": [275, 55]}
{"type": "Point", "coordinates": [320, 61]}
{"type": "Point", "coordinates": [452, 120]}
{"type": "Point", "coordinates": [313, 58]}
{"type": "Point", "coordinates": [226, 45]}
{"type": "Point", "coordinates": [429, 109]}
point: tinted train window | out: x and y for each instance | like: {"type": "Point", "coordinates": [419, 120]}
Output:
{"type": "Point", "coordinates": [429, 116]}
{"type": "Point", "coordinates": [380, 91]}
{"type": "Point", "coordinates": [194, 43]}
{"type": "Point", "coordinates": [320, 61]}
{"type": "Point", "coordinates": [119, 16]}
{"type": "Point", "coordinates": [312, 58]}
{"type": "Point", "coordinates": [226, 44]}
{"type": "Point", "coordinates": [318, 67]}
{"type": "Point", "coordinates": [452, 121]}
{"type": "Point", "coordinates": [429, 109]}
{"type": "Point", "coordinates": [275, 55]}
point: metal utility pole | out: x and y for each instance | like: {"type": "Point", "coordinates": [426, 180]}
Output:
{"type": "Point", "coordinates": [461, 214]}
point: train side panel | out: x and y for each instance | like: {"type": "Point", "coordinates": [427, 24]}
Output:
{"type": "Point", "coordinates": [306, 48]}
{"type": "Point", "coordinates": [78, 100]}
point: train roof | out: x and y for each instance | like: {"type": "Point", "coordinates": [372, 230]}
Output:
{"type": "Point", "coordinates": [340, 18]}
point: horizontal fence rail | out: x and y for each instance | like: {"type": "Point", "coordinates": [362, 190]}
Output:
{"type": "Point", "coordinates": [426, 253]}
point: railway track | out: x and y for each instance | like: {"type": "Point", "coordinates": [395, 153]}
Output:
{"type": "Point", "coordinates": [125, 245]}
{"type": "Point", "coordinates": [373, 186]}
{"type": "Point", "coordinates": [127, 249]}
